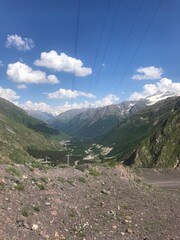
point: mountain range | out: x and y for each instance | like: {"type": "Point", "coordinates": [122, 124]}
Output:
{"type": "Point", "coordinates": [143, 133]}
{"type": "Point", "coordinates": [94, 122]}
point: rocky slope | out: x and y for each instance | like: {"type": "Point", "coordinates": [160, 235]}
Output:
{"type": "Point", "coordinates": [149, 138]}
{"type": "Point", "coordinates": [98, 204]}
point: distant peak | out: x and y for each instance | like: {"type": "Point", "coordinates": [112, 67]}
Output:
{"type": "Point", "coordinates": [159, 96]}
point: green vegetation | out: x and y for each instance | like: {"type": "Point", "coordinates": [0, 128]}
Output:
{"type": "Point", "coordinates": [82, 179]}
{"type": "Point", "coordinates": [36, 208]}
{"type": "Point", "coordinates": [70, 181]}
{"type": "Point", "coordinates": [61, 179]}
{"type": "Point", "coordinates": [2, 185]}
{"type": "Point", "coordinates": [25, 212]}
{"type": "Point", "coordinates": [20, 132]}
{"type": "Point", "coordinates": [20, 186]}
{"type": "Point", "coordinates": [44, 179]}
{"type": "Point", "coordinates": [149, 138]}
{"type": "Point", "coordinates": [94, 172]}
{"type": "Point", "coordinates": [14, 171]}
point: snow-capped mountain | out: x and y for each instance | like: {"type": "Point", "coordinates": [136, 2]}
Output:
{"type": "Point", "coordinates": [159, 96]}
{"type": "Point", "coordinates": [96, 121]}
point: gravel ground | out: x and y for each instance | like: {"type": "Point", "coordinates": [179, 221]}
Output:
{"type": "Point", "coordinates": [99, 203]}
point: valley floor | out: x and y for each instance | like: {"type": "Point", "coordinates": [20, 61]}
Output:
{"type": "Point", "coordinates": [99, 203]}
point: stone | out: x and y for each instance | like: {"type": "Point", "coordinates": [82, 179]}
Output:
{"type": "Point", "coordinates": [128, 230]}
{"type": "Point", "coordinates": [106, 192]}
{"type": "Point", "coordinates": [34, 227]}
{"type": "Point", "coordinates": [54, 213]}
{"type": "Point", "coordinates": [26, 225]}
{"type": "Point", "coordinates": [47, 203]}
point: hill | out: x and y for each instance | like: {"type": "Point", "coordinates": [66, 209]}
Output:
{"type": "Point", "coordinates": [17, 114]}
{"type": "Point", "coordinates": [20, 132]}
{"type": "Point", "coordinates": [149, 138]}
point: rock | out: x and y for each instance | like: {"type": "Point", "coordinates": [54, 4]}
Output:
{"type": "Point", "coordinates": [54, 213]}
{"type": "Point", "coordinates": [106, 192]}
{"type": "Point", "coordinates": [47, 203]}
{"type": "Point", "coordinates": [128, 230]}
{"type": "Point", "coordinates": [56, 235]}
{"type": "Point", "coordinates": [122, 233]}
{"type": "Point", "coordinates": [26, 225]}
{"type": "Point", "coordinates": [15, 179]}
{"type": "Point", "coordinates": [20, 222]}
{"type": "Point", "coordinates": [34, 227]}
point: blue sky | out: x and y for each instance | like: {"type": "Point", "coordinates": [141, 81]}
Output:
{"type": "Point", "coordinates": [63, 54]}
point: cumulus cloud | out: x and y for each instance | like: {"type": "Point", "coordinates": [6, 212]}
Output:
{"type": "Point", "coordinates": [19, 43]}
{"type": "Point", "coordinates": [148, 73]}
{"type": "Point", "coordinates": [41, 106]}
{"type": "Point", "coordinates": [55, 110]}
{"type": "Point", "coordinates": [21, 73]}
{"type": "Point", "coordinates": [62, 63]}
{"type": "Point", "coordinates": [164, 85]}
{"type": "Point", "coordinates": [69, 94]}
{"type": "Point", "coordinates": [8, 94]}
{"type": "Point", "coordinates": [107, 100]}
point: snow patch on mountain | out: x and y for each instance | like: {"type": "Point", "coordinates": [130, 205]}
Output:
{"type": "Point", "coordinates": [158, 97]}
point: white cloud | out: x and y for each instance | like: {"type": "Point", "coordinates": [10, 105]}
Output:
{"type": "Point", "coordinates": [55, 110]}
{"type": "Point", "coordinates": [63, 63]}
{"type": "Point", "coordinates": [22, 73]}
{"type": "Point", "coordinates": [8, 94]}
{"type": "Point", "coordinates": [41, 106]}
{"type": "Point", "coordinates": [19, 43]}
{"type": "Point", "coordinates": [1, 63]}
{"type": "Point", "coordinates": [107, 100]}
{"type": "Point", "coordinates": [164, 85]}
{"type": "Point", "coordinates": [148, 73]}
{"type": "Point", "coordinates": [69, 94]}
{"type": "Point", "coordinates": [21, 86]}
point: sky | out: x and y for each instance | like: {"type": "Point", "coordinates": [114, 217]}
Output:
{"type": "Point", "coordinates": [57, 55]}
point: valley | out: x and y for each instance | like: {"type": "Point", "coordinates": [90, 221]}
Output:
{"type": "Point", "coordinates": [123, 183]}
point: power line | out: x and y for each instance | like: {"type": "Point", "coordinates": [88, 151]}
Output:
{"type": "Point", "coordinates": [139, 45]}
{"type": "Point", "coordinates": [99, 42]}
{"type": "Point", "coordinates": [125, 43]}
{"type": "Point", "coordinates": [108, 42]}
{"type": "Point", "coordinates": [76, 41]}
{"type": "Point", "coordinates": [75, 48]}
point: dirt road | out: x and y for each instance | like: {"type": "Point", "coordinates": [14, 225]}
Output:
{"type": "Point", "coordinates": [163, 178]}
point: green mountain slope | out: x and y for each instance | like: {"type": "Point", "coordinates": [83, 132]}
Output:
{"type": "Point", "coordinates": [92, 122]}
{"type": "Point", "coordinates": [19, 115]}
{"type": "Point", "coordinates": [19, 132]}
{"type": "Point", "coordinates": [149, 138]}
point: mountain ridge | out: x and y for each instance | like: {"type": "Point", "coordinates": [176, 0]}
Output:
{"type": "Point", "coordinates": [149, 138]}
{"type": "Point", "coordinates": [93, 122]}
{"type": "Point", "coordinates": [20, 132]}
